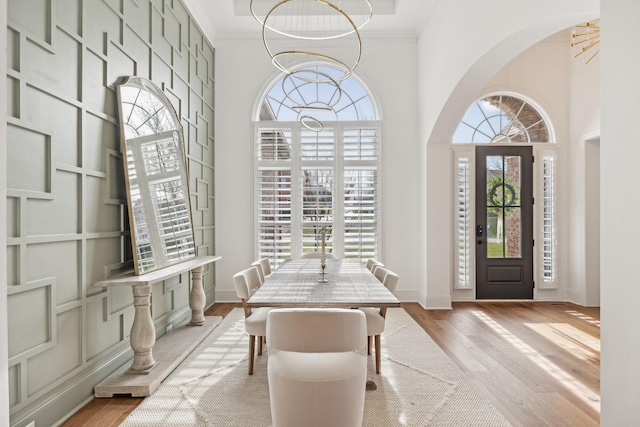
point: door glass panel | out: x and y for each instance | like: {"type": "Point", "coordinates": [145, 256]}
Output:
{"type": "Point", "coordinates": [513, 233]}
{"type": "Point", "coordinates": [495, 244]}
{"type": "Point", "coordinates": [504, 235]}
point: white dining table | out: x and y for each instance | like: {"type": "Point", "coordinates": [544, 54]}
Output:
{"type": "Point", "coordinates": [297, 283]}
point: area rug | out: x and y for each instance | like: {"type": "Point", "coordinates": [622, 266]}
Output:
{"type": "Point", "coordinates": [419, 384]}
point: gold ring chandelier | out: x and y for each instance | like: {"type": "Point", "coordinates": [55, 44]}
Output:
{"type": "Point", "coordinates": [299, 31]}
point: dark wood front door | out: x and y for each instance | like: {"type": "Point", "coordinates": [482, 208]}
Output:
{"type": "Point", "coordinates": [504, 222]}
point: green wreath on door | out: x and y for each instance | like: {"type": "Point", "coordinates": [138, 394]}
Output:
{"type": "Point", "coordinates": [509, 195]}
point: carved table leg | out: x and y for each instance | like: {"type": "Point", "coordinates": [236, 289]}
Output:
{"type": "Point", "coordinates": [143, 331]}
{"type": "Point", "coordinates": [197, 297]}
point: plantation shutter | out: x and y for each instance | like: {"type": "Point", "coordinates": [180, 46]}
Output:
{"type": "Point", "coordinates": [307, 180]}
{"type": "Point", "coordinates": [463, 221]}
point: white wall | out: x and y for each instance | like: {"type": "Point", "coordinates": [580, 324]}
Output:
{"type": "Point", "coordinates": [243, 69]}
{"type": "Point", "coordinates": [584, 112]}
{"type": "Point", "coordinates": [620, 235]}
{"type": "Point", "coordinates": [592, 222]}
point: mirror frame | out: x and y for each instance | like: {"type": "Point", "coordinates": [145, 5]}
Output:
{"type": "Point", "coordinates": [156, 176]}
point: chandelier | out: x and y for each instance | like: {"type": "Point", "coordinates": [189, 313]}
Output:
{"type": "Point", "coordinates": [585, 40]}
{"type": "Point", "coordinates": [295, 32]}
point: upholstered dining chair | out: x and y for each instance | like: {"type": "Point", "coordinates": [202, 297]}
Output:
{"type": "Point", "coordinates": [372, 264]}
{"type": "Point", "coordinates": [317, 368]}
{"type": "Point", "coordinates": [375, 266]}
{"type": "Point", "coordinates": [264, 268]}
{"type": "Point", "coordinates": [317, 255]}
{"type": "Point", "coordinates": [376, 316]}
{"type": "Point", "coordinates": [255, 320]}
{"type": "Point", "coordinates": [380, 272]}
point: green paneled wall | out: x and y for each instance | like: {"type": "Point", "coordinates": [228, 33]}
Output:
{"type": "Point", "coordinates": [67, 225]}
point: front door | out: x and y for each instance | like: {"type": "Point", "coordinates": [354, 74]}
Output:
{"type": "Point", "coordinates": [504, 222]}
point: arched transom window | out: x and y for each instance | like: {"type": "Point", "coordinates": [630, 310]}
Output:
{"type": "Point", "coordinates": [317, 162]}
{"type": "Point", "coordinates": [501, 119]}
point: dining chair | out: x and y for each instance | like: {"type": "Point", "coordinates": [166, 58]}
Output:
{"type": "Point", "coordinates": [380, 272]}
{"type": "Point", "coordinates": [328, 255]}
{"type": "Point", "coordinates": [266, 266]}
{"type": "Point", "coordinates": [255, 320]}
{"type": "Point", "coordinates": [376, 315]}
{"type": "Point", "coordinates": [317, 370]}
{"type": "Point", "coordinates": [260, 268]}
{"type": "Point", "coordinates": [372, 264]}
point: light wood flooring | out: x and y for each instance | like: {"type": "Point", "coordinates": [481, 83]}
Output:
{"type": "Point", "coordinates": [537, 362]}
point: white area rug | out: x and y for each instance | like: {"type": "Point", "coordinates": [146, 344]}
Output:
{"type": "Point", "coordinates": [419, 384]}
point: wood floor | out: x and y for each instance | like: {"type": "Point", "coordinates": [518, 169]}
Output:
{"type": "Point", "coordinates": [538, 362]}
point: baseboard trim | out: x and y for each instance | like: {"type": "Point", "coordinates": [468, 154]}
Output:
{"type": "Point", "coordinates": [62, 402]}
{"type": "Point", "coordinates": [439, 302]}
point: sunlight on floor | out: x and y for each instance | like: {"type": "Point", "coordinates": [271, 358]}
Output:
{"type": "Point", "coordinates": [570, 338]}
{"type": "Point", "coordinates": [584, 317]}
{"type": "Point", "coordinates": [579, 389]}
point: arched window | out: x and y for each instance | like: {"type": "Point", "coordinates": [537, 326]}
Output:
{"type": "Point", "coordinates": [505, 119]}
{"type": "Point", "coordinates": [317, 163]}
{"type": "Point", "coordinates": [502, 119]}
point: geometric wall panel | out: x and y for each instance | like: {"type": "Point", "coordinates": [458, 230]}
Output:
{"type": "Point", "coordinates": [171, 30]}
{"type": "Point", "coordinates": [31, 315]}
{"type": "Point", "coordinates": [99, 134]}
{"type": "Point", "coordinates": [100, 252]}
{"type": "Point", "coordinates": [56, 259]}
{"type": "Point", "coordinates": [67, 221]}
{"type": "Point", "coordinates": [28, 160]}
{"type": "Point", "coordinates": [13, 101]}
{"type": "Point", "coordinates": [94, 80]}
{"type": "Point", "coordinates": [116, 187]}
{"type": "Point", "coordinates": [68, 15]}
{"type": "Point", "coordinates": [63, 60]}
{"type": "Point", "coordinates": [34, 17]}
{"type": "Point", "coordinates": [13, 217]}
{"type": "Point", "coordinates": [100, 217]}
{"type": "Point", "coordinates": [49, 111]}
{"type": "Point", "coordinates": [202, 66]}
{"type": "Point", "coordinates": [202, 195]}
{"type": "Point", "coordinates": [14, 384]}
{"type": "Point", "coordinates": [119, 298]}
{"type": "Point", "coordinates": [202, 132]}
{"type": "Point", "coordinates": [65, 356]}
{"type": "Point", "coordinates": [13, 266]}
{"type": "Point", "coordinates": [60, 215]}
{"type": "Point", "coordinates": [104, 334]}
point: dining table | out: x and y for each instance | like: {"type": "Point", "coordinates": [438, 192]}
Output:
{"type": "Point", "coordinates": [342, 283]}
{"type": "Point", "coordinates": [345, 283]}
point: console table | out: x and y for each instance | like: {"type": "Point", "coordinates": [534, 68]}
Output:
{"type": "Point", "coordinates": [145, 373]}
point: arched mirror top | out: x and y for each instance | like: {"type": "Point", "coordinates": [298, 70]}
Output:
{"type": "Point", "coordinates": [145, 109]}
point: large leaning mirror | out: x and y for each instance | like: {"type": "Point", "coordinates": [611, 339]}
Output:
{"type": "Point", "coordinates": [156, 176]}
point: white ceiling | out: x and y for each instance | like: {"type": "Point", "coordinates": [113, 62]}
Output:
{"type": "Point", "coordinates": [228, 19]}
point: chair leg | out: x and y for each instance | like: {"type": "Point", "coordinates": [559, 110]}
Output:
{"type": "Point", "coordinates": [377, 338]}
{"type": "Point", "coordinates": [369, 345]}
{"type": "Point", "coordinates": [259, 346]}
{"type": "Point", "coordinates": [252, 343]}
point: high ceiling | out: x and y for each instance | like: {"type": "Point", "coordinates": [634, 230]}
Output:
{"type": "Point", "coordinates": [227, 19]}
